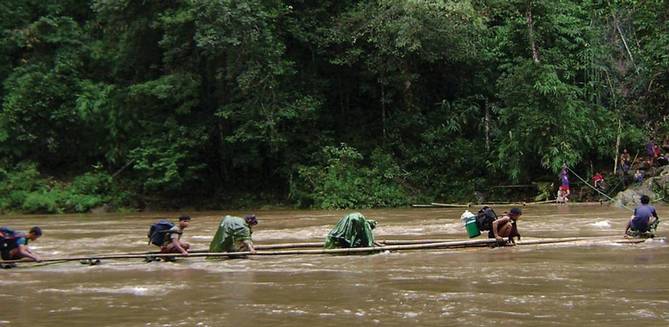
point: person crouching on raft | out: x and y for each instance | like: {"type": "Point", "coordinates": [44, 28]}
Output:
{"type": "Point", "coordinates": [174, 243]}
{"type": "Point", "coordinates": [640, 223]}
{"type": "Point", "coordinates": [14, 245]}
{"type": "Point", "coordinates": [234, 235]}
{"type": "Point", "coordinates": [352, 231]}
{"type": "Point", "coordinates": [506, 227]}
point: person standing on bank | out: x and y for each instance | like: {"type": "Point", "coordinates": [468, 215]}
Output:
{"type": "Point", "coordinates": [505, 227]}
{"type": "Point", "coordinates": [564, 182]}
{"type": "Point", "coordinates": [174, 244]}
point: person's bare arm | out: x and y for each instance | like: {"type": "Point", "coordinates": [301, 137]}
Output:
{"type": "Point", "coordinates": [495, 227]}
{"type": "Point", "coordinates": [627, 227]}
{"type": "Point", "coordinates": [249, 246]}
{"type": "Point", "coordinates": [177, 245]}
{"type": "Point", "coordinates": [25, 252]}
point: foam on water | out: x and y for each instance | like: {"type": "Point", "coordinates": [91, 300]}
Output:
{"type": "Point", "coordinates": [137, 290]}
{"type": "Point", "coordinates": [602, 224]}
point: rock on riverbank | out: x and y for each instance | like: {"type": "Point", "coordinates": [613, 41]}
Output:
{"type": "Point", "coordinates": [652, 186]}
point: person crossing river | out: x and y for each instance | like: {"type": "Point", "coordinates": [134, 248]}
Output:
{"type": "Point", "coordinates": [14, 244]}
{"type": "Point", "coordinates": [175, 245]}
{"type": "Point", "coordinates": [506, 227]}
{"type": "Point", "coordinates": [641, 225]}
{"type": "Point", "coordinates": [234, 235]}
{"type": "Point", "coordinates": [498, 228]}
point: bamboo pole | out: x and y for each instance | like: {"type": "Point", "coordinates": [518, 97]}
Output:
{"type": "Point", "coordinates": [272, 253]}
{"type": "Point", "coordinates": [256, 246]}
{"type": "Point", "coordinates": [469, 205]}
{"type": "Point", "coordinates": [433, 241]}
{"type": "Point", "coordinates": [452, 205]}
{"type": "Point", "coordinates": [392, 245]}
{"type": "Point", "coordinates": [540, 202]}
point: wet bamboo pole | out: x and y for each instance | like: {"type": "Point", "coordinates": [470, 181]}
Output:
{"type": "Point", "coordinates": [272, 253]}
{"type": "Point", "coordinates": [406, 246]}
{"type": "Point", "coordinates": [451, 205]}
{"type": "Point", "coordinates": [256, 246]}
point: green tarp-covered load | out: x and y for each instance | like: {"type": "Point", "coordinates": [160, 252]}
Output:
{"type": "Point", "coordinates": [231, 234]}
{"type": "Point", "coordinates": [352, 231]}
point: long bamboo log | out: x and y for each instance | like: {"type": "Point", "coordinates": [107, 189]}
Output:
{"type": "Point", "coordinates": [428, 241]}
{"type": "Point", "coordinates": [451, 205]}
{"type": "Point", "coordinates": [257, 247]}
{"type": "Point", "coordinates": [414, 246]}
{"type": "Point", "coordinates": [539, 202]}
{"type": "Point", "coordinates": [273, 253]}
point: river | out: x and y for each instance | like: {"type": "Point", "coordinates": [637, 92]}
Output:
{"type": "Point", "coordinates": [593, 284]}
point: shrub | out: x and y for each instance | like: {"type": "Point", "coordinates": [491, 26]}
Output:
{"type": "Point", "coordinates": [340, 180]}
{"type": "Point", "coordinates": [42, 202]}
{"type": "Point", "coordinates": [22, 188]}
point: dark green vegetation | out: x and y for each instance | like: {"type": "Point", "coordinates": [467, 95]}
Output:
{"type": "Point", "coordinates": [213, 103]}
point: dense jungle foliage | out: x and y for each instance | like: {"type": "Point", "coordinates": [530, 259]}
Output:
{"type": "Point", "coordinates": [326, 104]}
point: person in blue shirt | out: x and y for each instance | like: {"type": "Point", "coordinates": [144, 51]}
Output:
{"type": "Point", "coordinates": [641, 221]}
{"type": "Point", "coordinates": [14, 245]}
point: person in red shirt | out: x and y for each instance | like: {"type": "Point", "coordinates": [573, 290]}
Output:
{"type": "Point", "coordinates": [598, 180]}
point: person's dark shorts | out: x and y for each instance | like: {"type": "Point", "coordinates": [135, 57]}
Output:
{"type": "Point", "coordinates": [641, 228]}
{"type": "Point", "coordinates": [6, 255]}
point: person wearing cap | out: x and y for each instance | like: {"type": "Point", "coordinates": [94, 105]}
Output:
{"type": "Point", "coordinates": [506, 226]}
{"type": "Point", "coordinates": [234, 235]}
{"type": "Point", "coordinates": [175, 245]}
{"type": "Point", "coordinates": [14, 245]}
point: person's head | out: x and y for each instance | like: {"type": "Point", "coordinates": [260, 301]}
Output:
{"type": "Point", "coordinates": [645, 199]}
{"type": "Point", "coordinates": [514, 213]}
{"type": "Point", "coordinates": [372, 223]}
{"type": "Point", "coordinates": [34, 233]}
{"type": "Point", "coordinates": [184, 221]}
{"type": "Point", "coordinates": [251, 220]}
{"type": "Point", "coordinates": [624, 150]}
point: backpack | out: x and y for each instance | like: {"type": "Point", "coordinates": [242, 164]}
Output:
{"type": "Point", "coordinates": [8, 238]}
{"type": "Point", "coordinates": [485, 217]}
{"type": "Point", "coordinates": [159, 231]}
{"type": "Point", "coordinates": [6, 232]}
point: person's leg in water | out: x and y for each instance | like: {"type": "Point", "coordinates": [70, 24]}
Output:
{"type": "Point", "coordinates": [653, 225]}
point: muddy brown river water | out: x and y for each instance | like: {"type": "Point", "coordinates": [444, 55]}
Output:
{"type": "Point", "coordinates": [590, 284]}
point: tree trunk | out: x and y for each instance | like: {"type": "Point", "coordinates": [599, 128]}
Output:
{"type": "Point", "coordinates": [383, 111]}
{"type": "Point", "coordinates": [615, 155]}
{"type": "Point", "coordinates": [530, 33]}
{"type": "Point", "coordinates": [487, 126]}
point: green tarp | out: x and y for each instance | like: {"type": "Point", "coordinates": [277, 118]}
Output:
{"type": "Point", "coordinates": [352, 231]}
{"type": "Point", "coordinates": [232, 231]}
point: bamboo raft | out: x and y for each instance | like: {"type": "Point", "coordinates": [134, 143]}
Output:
{"type": "Point", "coordinates": [303, 249]}
{"type": "Point", "coordinates": [517, 204]}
